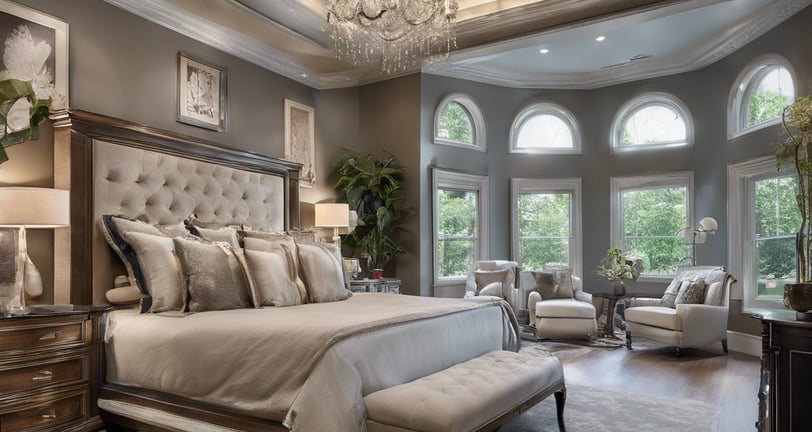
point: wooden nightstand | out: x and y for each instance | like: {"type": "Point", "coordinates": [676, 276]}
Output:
{"type": "Point", "coordinates": [47, 364]}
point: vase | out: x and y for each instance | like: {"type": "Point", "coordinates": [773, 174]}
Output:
{"type": "Point", "coordinates": [799, 297]}
{"type": "Point", "coordinates": [618, 288]}
{"type": "Point", "coordinates": [377, 273]}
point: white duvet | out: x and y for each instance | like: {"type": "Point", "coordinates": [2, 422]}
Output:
{"type": "Point", "coordinates": [306, 366]}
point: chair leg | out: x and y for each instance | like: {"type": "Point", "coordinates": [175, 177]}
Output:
{"type": "Point", "coordinates": [628, 340]}
{"type": "Point", "coordinates": [677, 352]}
{"type": "Point", "coordinates": [724, 345]}
{"type": "Point", "coordinates": [560, 399]}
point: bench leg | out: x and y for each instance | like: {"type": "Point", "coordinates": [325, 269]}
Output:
{"type": "Point", "coordinates": [560, 399]}
{"type": "Point", "coordinates": [724, 345]}
{"type": "Point", "coordinates": [628, 340]}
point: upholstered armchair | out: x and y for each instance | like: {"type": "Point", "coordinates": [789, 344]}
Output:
{"type": "Point", "coordinates": [560, 318]}
{"type": "Point", "coordinates": [686, 325]}
{"type": "Point", "coordinates": [507, 289]}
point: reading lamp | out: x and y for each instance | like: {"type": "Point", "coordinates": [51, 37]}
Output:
{"type": "Point", "coordinates": [333, 215]}
{"type": "Point", "coordinates": [22, 208]}
{"type": "Point", "coordinates": [707, 225]}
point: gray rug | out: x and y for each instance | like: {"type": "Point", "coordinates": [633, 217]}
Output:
{"type": "Point", "coordinates": [594, 410]}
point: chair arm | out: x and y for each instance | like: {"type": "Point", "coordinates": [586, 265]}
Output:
{"type": "Point", "coordinates": [704, 322]}
{"type": "Point", "coordinates": [533, 298]}
{"type": "Point", "coordinates": [644, 301]}
{"type": "Point", "coordinates": [583, 296]}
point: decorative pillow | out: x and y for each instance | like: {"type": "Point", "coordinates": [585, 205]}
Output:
{"type": "Point", "coordinates": [691, 292]}
{"type": "Point", "coordinates": [713, 294]}
{"type": "Point", "coordinates": [222, 234]}
{"type": "Point", "coordinates": [214, 277]}
{"type": "Point", "coordinates": [274, 276]}
{"type": "Point", "coordinates": [160, 269]}
{"type": "Point", "coordinates": [670, 296]}
{"type": "Point", "coordinates": [322, 270]}
{"type": "Point", "coordinates": [492, 289]}
{"type": "Point", "coordinates": [554, 284]}
{"type": "Point", "coordinates": [484, 278]}
{"type": "Point", "coordinates": [280, 242]}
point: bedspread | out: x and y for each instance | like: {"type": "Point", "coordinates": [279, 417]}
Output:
{"type": "Point", "coordinates": [307, 366]}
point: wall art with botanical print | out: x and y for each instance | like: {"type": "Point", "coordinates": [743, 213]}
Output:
{"type": "Point", "coordinates": [201, 93]}
{"type": "Point", "coordinates": [300, 139]}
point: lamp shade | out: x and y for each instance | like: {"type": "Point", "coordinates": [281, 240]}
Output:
{"type": "Point", "coordinates": [332, 215]}
{"type": "Point", "coordinates": [708, 224]}
{"type": "Point", "coordinates": [34, 207]}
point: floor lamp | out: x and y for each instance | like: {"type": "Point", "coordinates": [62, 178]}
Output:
{"type": "Point", "coordinates": [333, 215]}
{"type": "Point", "coordinates": [707, 225]}
{"type": "Point", "coordinates": [23, 208]}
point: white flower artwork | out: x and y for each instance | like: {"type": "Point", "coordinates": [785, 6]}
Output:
{"type": "Point", "coordinates": [201, 94]}
{"type": "Point", "coordinates": [26, 59]}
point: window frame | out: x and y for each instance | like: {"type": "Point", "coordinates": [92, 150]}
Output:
{"type": "Point", "coordinates": [618, 185]}
{"type": "Point", "coordinates": [474, 115]}
{"type": "Point", "coordinates": [741, 178]}
{"type": "Point", "coordinates": [549, 185]}
{"type": "Point", "coordinates": [445, 179]}
{"type": "Point", "coordinates": [545, 108]}
{"type": "Point", "coordinates": [644, 100]}
{"type": "Point", "coordinates": [743, 89]}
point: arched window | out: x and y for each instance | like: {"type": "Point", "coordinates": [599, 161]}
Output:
{"type": "Point", "coordinates": [458, 121]}
{"type": "Point", "coordinates": [545, 128]}
{"type": "Point", "coordinates": [650, 121]}
{"type": "Point", "coordinates": [760, 94]}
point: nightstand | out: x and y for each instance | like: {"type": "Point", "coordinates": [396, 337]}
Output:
{"type": "Point", "coordinates": [384, 285]}
{"type": "Point", "coordinates": [47, 362]}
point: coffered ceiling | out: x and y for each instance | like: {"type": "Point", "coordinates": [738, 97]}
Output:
{"type": "Point", "coordinates": [499, 41]}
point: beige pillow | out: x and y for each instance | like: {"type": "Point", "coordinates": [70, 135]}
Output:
{"type": "Point", "coordinates": [214, 278]}
{"type": "Point", "coordinates": [554, 284]}
{"type": "Point", "coordinates": [322, 272]}
{"type": "Point", "coordinates": [713, 294]}
{"type": "Point", "coordinates": [691, 292]}
{"type": "Point", "coordinates": [484, 278]}
{"type": "Point", "coordinates": [160, 270]}
{"type": "Point", "coordinates": [492, 289]}
{"type": "Point", "coordinates": [670, 295]}
{"type": "Point", "coordinates": [274, 276]}
{"type": "Point", "coordinates": [224, 234]}
{"type": "Point", "coordinates": [274, 242]}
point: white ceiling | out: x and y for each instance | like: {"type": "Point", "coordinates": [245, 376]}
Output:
{"type": "Point", "coordinates": [499, 40]}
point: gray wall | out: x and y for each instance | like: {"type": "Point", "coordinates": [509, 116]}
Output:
{"type": "Point", "coordinates": [705, 92]}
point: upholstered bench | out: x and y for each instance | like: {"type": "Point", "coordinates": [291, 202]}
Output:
{"type": "Point", "coordinates": [478, 395]}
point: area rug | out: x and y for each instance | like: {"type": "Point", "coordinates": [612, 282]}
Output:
{"type": "Point", "coordinates": [590, 409]}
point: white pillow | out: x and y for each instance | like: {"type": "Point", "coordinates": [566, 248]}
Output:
{"type": "Point", "coordinates": [160, 269]}
{"type": "Point", "coordinates": [322, 270]}
{"type": "Point", "coordinates": [274, 277]}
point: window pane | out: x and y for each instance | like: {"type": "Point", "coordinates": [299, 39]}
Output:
{"type": "Point", "coordinates": [651, 219]}
{"type": "Point", "coordinates": [653, 124]}
{"type": "Point", "coordinates": [776, 265]}
{"type": "Point", "coordinates": [774, 91]}
{"type": "Point", "coordinates": [777, 212]}
{"type": "Point", "coordinates": [544, 215]}
{"type": "Point", "coordinates": [455, 124]}
{"type": "Point", "coordinates": [544, 131]}
{"type": "Point", "coordinates": [538, 253]}
{"type": "Point", "coordinates": [457, 228]}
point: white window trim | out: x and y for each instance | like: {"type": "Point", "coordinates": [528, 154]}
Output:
{"type": "Point", "coordinates": [477, 122]}
{"type": "Point", "coordinates": [549, 185]}
{"type": "Point", "coordinates": [741, 88]}
{"type": "Point", "coordinates": [621, 184]}
{"type": "Point", "coordinates": [443, 179]}
{"type": "Point", "coordinates": [641, 101]}
{"type": "Point", "coordinates": [740, 209]}
{"type": "Point", "coordinates": [545, 108]}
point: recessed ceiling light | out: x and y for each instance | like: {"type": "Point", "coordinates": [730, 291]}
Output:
{"type": "Point", "coordinates": [600, 38]}
{"type": "Point", "coordinates": [304, 75]}
{"type": "Point", "coordinates": [544, 51]}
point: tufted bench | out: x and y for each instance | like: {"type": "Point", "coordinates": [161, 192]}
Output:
{"type": "Point", "coordinates": [478, 395]}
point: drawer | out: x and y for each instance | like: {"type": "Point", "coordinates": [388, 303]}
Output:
{"type": "Point", "coordinates": [41, 336]}
{"type": "Point", "coordinates": [45, 414]}
{"type": "Point", "coordinates": [31, 377]}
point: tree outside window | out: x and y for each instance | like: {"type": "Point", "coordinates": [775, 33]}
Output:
{"type": "Point", "coordinates": [776, 220]}
{"type": "Point", "coordinates": [457, 232]}
{"type": "Point", "coordinates": [769, 95]}
{"type": "Point", "coordinates": [455, 124]}
{"type": "Point", "coordinates": [544, 230]}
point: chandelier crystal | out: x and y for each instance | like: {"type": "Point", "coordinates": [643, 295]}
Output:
{"type": "Point", "coordinates": [398, 33]}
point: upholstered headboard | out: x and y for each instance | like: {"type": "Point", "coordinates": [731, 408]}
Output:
{"type": "Point", "coordinates": [125, 169]}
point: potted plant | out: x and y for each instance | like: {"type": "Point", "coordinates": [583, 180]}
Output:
{"type": "Point", "coordinates": [373, 188]}
{"type": "Point", "coordinates": [617, 267]}
{"type": "Point", "coordinates": [797, 151]}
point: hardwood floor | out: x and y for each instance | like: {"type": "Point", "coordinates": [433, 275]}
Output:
{"type": "Point", "coordinates": [727, 381]}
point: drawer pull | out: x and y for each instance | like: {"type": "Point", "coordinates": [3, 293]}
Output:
{"type": "Point", "coordinates": [43, 375]}
{"type": "Point", "coordinates": [49, 416]}
{"type": "Point", "coordinates": [53, 335]}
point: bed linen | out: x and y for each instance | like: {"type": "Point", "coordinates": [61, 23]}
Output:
{"type": "Point", "coordinates": [307, 366]}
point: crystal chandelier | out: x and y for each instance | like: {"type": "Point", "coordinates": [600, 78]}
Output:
{"type": "Point", "coordinates": [398, 33]}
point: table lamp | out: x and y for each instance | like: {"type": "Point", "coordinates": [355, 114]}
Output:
{"type": "Point", "coordinates": [333, 215]}
{"type": "Point", "coordinates": [22, 208]}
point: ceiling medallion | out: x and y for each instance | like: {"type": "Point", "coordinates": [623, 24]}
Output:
{"type": "Point", "coordinates": [396, 34]}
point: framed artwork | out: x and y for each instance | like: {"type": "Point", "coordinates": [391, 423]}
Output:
{"type": "Point", "coordinates": [36, 50]}
{"type": "Point", "coordinates": [300, 140]}
{"type": "Point", "coordinates": [201, 94]}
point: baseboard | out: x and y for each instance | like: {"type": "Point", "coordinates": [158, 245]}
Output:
{"type": "Point", "coordinates": [744, 343]}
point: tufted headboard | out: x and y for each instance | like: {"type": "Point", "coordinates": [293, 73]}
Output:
{"type": "Point", "coordinates": [126, 169]}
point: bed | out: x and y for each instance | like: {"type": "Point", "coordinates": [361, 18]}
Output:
{"type": "Point", "coordinates": [303, 367]}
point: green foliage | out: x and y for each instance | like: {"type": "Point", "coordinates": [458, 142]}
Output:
{"type": "Point", "coordinates": [765, 105]}
{"type": "Point", "coordinates": [616, 266]}
{"type": "Point", "coordinates": [652, 217]}
{"type": "Point", "coordinates": [544, 230]}
{"type": "Point", "coordinates": [11, 91]}
{"type": "Point", "coordinates": [373, 188]}
{"type": "Point", "coordinates": [455, 124]}
{"type": "Point", "coordinates": [457, 228]}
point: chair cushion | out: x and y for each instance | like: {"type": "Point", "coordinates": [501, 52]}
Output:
{"type": "Point", "coordinates": [485, 278]}
{"type": "Point", "coordinates": [657, 316]}
{"type": "Point", "coordinates": [564, 308]}
{"type": "Point", "coordinates": [554, 284]}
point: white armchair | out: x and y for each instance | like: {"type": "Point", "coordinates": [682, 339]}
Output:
{"type": "Point", "coordinates": [509, 289]}
{"type": "Point", "coordinates": [561, 318]}
{"type": "Point", "coordinates": [686, 325]}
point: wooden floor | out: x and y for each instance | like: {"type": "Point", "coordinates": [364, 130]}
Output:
{"type": "Point", "coordinates": [727, 381]}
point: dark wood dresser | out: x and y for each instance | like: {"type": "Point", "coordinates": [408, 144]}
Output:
{"type": "Point", "coordinates": [47, 364]}
{"type": "Point", "coordinates": [785, 391]}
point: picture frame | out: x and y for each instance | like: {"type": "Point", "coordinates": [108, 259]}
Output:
{"type": "Point", "coordinates": [27, 27]}
{"type": "Point", "coordinates": [300, 140]}
{"type": "Point", "coordinates": [202, 98]}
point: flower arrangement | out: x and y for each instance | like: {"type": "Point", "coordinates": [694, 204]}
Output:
{"type": "Point", "coordinates": [616, 266]}
{"type": "Point", "coordinates": [26, 88]}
